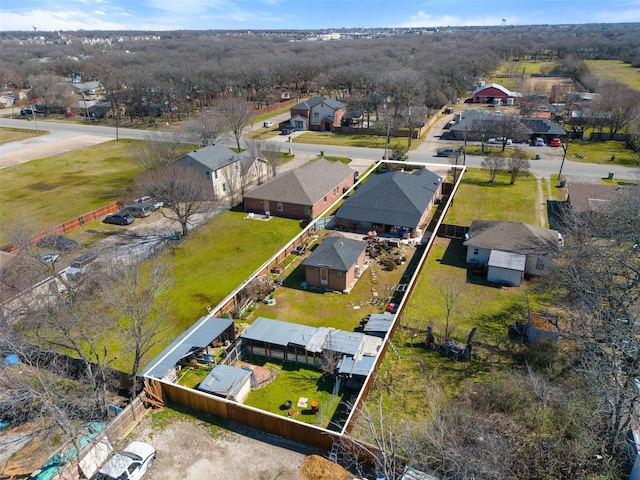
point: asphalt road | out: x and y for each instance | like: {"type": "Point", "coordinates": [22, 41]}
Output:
{"type": "Point", "coordinates": [72, 133]}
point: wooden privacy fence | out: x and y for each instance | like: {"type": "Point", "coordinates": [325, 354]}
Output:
{"type": "Point", "coordinates": [69, 225]}
{"type": "Point", "coordinates": [116, 430]}
{"type": "Point", "coordinates": [251, 417]}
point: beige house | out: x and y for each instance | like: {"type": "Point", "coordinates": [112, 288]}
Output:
{"type": "Point", "coordinates": [230, 174]}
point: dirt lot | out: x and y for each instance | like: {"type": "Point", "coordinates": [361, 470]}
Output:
{"type": "Point", "coordinates": [188, 450]}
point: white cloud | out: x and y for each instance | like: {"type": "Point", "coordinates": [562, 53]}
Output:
{"type": "Point", "coordinates": [47, 20]}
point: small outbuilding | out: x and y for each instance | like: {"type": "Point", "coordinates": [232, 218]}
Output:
{"type": "Point", "coordinates": [228, 382]}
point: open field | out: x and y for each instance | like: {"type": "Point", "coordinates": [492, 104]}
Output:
{"type": "Point", "coordinates": [363, 141]}
{"type": "Point", "coordinates": [615, 70]}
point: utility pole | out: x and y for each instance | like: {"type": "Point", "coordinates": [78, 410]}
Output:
{"type": "Point", "coordinates": [565, 147]}
{"type": "Point", "coordinates": [464, 152]}
{"type": "Point", "coordinates": [35, 120]}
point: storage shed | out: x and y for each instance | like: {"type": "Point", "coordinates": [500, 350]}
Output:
{"type": "Point", "coordinates": [228, 382]}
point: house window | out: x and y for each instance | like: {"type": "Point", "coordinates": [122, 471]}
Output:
{"type": "Point", "coordinates": [338, 273]}
{"type": "Point", "coordinates": [298, 125]}
{"type": "Point", "coordinates": [215, 174]}
{"type": "Point", "coordinates": [325, 199]}
{"type": "Point", "coordinates": [539, 264]}
{"type": "Point", "coordinates": [476, 251]}
{"type": "Point", "coordinates": [224, 187]}
{"type": "Point", "coordinates": [279, 206]}
{"type": "Point", "coordinates": [208, 174]}
{"type": "Point", "coordinates": [307, 210]}
{"type": "Point", "coordinates": [316, 116]}
{"type": "Point", "coordinates": [336, 190]}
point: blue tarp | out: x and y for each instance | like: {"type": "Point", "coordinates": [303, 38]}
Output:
{"type": "Point", "coordinates": [11, 360]}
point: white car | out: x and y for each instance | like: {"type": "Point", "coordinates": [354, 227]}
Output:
{"type": "Point", "coordinates": [267, 124]}
{"type": "Point", "coordinates": [155, 204]}
{"type": "Point", "coordinates": [131, 464]}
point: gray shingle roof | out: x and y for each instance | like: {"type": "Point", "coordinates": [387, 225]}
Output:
{"type": "Point", "coordinates": [395, 198]}
{"type": "Point", "coordinates": [513, 237]}
{"type": "Point", "coordinates": [336, 253]}
{"type": "Point", "coordinates": [212, 156]}
{"type": "Point", "coordinates": [314, 101]}
{"type": "Point", "coordinates": [306, 185]}
{"type": "Point", "coordinates": [199, 335]}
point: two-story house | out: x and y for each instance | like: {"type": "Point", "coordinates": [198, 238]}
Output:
{"type": "Point", "coordinates": [230, 174]}
{"type": "Point", "coordinates": [318, 114]}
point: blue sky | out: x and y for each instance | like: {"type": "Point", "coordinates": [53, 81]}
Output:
{"type": "Point", "coordinates": [49, 15]}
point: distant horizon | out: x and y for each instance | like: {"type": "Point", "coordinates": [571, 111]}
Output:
{"type": "Point", "coordinates": [296, 15]}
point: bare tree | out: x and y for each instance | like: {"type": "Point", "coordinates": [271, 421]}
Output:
{"type": "Point", "coordinates": [600, 276]}
{"type": "Point", "coordinates": [51, 92]}
{"type": "Point", "coordinates": [518, 164]}
{"type": "Point", "coordinates": [184, 192]}
{"type": "Point", "coordinates": [153, 153]}
{"type": "Point", "coordinates": [235, 113]}
{"type": "Point", "coordinates": [494, 162]}
{"type": "Point", "coordinates": [617, 107]}
{"type": "Point", "coordinates": [203, 129]}
{"type": "Point", "coordinates": [450, 291]}
{"type": "Point", "coordinates": [270, 151]}
{"type": "Point", "coordinates": [133, 294]}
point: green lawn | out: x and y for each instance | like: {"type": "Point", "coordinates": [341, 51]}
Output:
{"type": "Point", "coordinates": [330, 309]}
{"type": "Point", "coordinates": [364, 141]}
{"type": "Point", "coordinates": [48, 191]}
{"type": "Point", "coordinates": [609, 152]}
{"type": "Point", "coordinates": [219, 257]}
{"type": "Point", "coordinates": [13, 134]}
{"type": "Point", "coordinates": [478, 199]}
{"type": "Point", "coordinates": [292, 381]}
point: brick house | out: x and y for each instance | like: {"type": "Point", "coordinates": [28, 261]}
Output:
{"type": "Point", "coordinates": [395, 203]}
{"type": "Point", "coordinates": [335, 264]}
{"type": "Point", "coordinates": [303, 193]}
{"type": "Point", "coordinates": [317, 114]}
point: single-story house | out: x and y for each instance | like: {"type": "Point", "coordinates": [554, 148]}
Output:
{"type": "Point", "coordinates": [229, 173]}
{"type": "Point", "coordinates": [475, 123]}
{"type": "Point", "coordinates": [336, 264]}
{"type": "Point", "coordinates": [304, 192]}
{"type": "Point", "coordinates": [510, 250]}
{"type": "Point", "coordinates": [87, 88]}
{"type": "Point", "coordinates": [395, 203]}
{"type": "Point", "coordinates": [589, 199]}
{"type": "Point", "coordinates": [228, 382]}
{"type": "Point", "coordinates": [494, 91]}
{"type": "Point", "coordinates": [303, 344]}
{"type": "Point", "coordinates": [317, 114]}
{"type": "Point", "coordinates": [199, 342]}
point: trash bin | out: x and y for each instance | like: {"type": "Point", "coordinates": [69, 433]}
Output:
{"type": "Point", "coordinates": [537, 157]}
{"type": "Point", "coordinates": [178, 235]}
{"type": "Point", "coordinates": [563, 183]}
{"type": "Point", "coordinates": [322, 153]}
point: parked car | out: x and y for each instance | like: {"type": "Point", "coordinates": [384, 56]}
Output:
{"type": "Point", "coordinates": [49, 257]}
{"type": "Point", "coordinates": [81, 265]}
{"type": "Point", "coordinates": [538, 142]}
{"type": "Point", "coordinates": [155, 204]}
{"type": "Point", "coordinates": [493, 141]}
{"type": "Point", "coordinates": [287, 131]}
{"type": "Point", "coordinates": [130, 464]}
{"type": "Point", "coordinates": [267, 124]}
{"type": "Point", "coordinates": [120, 218]}
{"type": "Point", "coordinates": [57, 242]}
{"type": "Point", "coordinates": [555, 142]}
{"type": "Point", "coordinates": [139, 210]}
{"type": "Point", "coordinates": [447, 152]}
